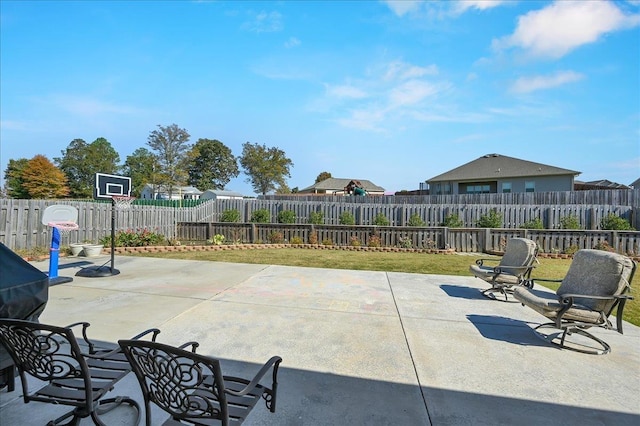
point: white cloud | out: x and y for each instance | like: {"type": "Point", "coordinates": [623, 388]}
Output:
{"type": "Point", "coordinates": [402, 7]}
{"type": "Point", "coordinates": [292, 42]}
{"type": "Point", "coordinates": [464, 5]}
{"type": "Point", "coordinates": [345, 91]}
{"type": "Point", "coordinates": [411, 92]}
{"type": "Point", "coordinates": [564, 26]}
{"type": "Point", "coordinates": [399, 70]}
{"type": "Point", "coordinates": [532, 84]}
{"type": "Point", "coordinates": [264, 22]}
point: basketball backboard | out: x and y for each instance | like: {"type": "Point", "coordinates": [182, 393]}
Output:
{"type": "Point", "coordinates": [60, 213]}
{"type": "Point", "coordinates": [109, 185]}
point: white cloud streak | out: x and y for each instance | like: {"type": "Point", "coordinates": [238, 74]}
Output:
{"type": "Point", "coordinates": [464, 5]}
{"type": "Point", "coordinates": [543, 82]}
{"type": "Point", "coordinates": [264, 22]}
{"type": "Point", "coordinates": [402, 7]}
{"type": "Point", "coordinates": [556, 30]}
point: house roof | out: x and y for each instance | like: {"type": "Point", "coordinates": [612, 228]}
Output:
{"type": "Point", "coordinates": [604, 183]}
{"type": "Point", "coordinates": [224, 192]}
{"type": "Point", "coordinates": [176, 189]}
{"type": "Point", "coordinates": [635, 184]}
{"type": "Point", "coordinates": [496, 166]}
{"type": "Point", "coordinates": [338, 184]}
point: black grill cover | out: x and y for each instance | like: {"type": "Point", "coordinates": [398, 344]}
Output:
{"type": "Point", "coordinates": [24, 291]}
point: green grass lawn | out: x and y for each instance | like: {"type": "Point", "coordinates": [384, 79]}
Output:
{"type": "Point", "coordinates": [421, 263]}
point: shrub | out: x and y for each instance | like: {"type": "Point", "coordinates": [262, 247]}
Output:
{"type": "Point", "coordinates": [374, 241]}
{"type": "Point", "coordinates": [313, 238]}
{"type": "Point", "coordinates": [327, 242]}
{"type": "Point", "coordinates": [603, 245]}
{"type": "Point", "coordinates": [346, 218]}
{"type": "Point", "coordinates": [614, 222]}
{"type": "Point", "coordinates": [381, 220]}
{"type": "Point", "coordinates": [230, 216]}
{"type": "Point", "coordinates": [354, 241]}
{"type": "Point", "coordinates": [217, 239]}
{"type": "Point", "coordinates": [296, 240]}
{"type": "Point", "coordinates": [493, 219]}
{"type": "Point", "coordinates": [260, 216]}
{"type": "Point", "coordinates": [316, 218]}
{"type": "Point", "coordinates": [405, 242]}
{"type": "Point", "coordinates": [571, 250]}
{"type": "Point", "coordinates": [286, 216]}
{"type": "Point", "coordinates": [452, 221]}
{"type": "Point", "coordinates": [533, 224]}
{"type": "Point", "coordinates": [131, 238]}
{"type": "Point", "coordinates": [570, 222]}
{"type": "Point", "coordinates": [276, 237]}
{"type": "Point", "coordinates": [415, 220]}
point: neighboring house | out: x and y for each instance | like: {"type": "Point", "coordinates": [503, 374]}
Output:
{"type": "Point", "coordinates": [598, 184]}
{"type": "Point", "coordinates": [220, 194]}
{"type": "Point", "coordinates": [495, 173]}
{"type": "Point", "coordinates": [161, 192]}
{"type": "Point", "coordinates": [337, 186]}
{"type": "Point", "coordinates": [635, 184]}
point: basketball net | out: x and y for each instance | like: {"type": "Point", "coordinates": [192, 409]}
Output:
{"type": "Point", "coordinates": [122, 202]}
{"type": "Point", "coordinates": [64, 227]}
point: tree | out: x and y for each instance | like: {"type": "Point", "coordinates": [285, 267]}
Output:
{"type": "Point", "coordinates": [141, 167]}
{"type": "Point", "coordinates": [170, 144]}
{"type": "Point", "coordinates": [13, 180]}
{"type": "Point", "coordinates": [323, 176]}
{"type": "Point", "coordinates": [42, 179]}
{"type": "Point", "coordinates": [266, 168]}
{"type": "Point", "coordinates": [211, 165]}
{"type": "Point", "coordinates": [81, 161]}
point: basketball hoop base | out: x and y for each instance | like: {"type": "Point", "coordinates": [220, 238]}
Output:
{"type": "Point", "coordinates": [97, 272]}
{"type": "Point", "coordinates": [59, 280]}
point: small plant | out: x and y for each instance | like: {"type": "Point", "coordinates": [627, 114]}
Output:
{"type": "Point", "coordinates": [316, 218]}
{"type": "Point", "coordinates": [313, 238]}
{"type": "Point", "coordinates": [327, 242]}
{"type": "Point", "coordinates": [217, 239]}
{"type": "Point", "coordinates": [276, 238]}
{"type": "Point", "coordinates": [354, 241]}
{"type": "Point", "coordinates": [415, 220]}
{"type": "Point", "coordinates": [604, 245]}
{"type": "Point", "coordinates": [405, 242]}
{"type": "Point", "coordinates": [346, 218]}
{"type": "Point", "coordinates": [571, 250]}
{"type": "Point", "coordinates": [452, 221]}
{"type": "Point", "coordinates": [287, 216]}
{"type": "Point", "coordinates": [381, 220]}
{"type": "Point", "coordinates": [374, 241]}
{"type": "Point", "coordinates": [260, 216]}
{"type": "Point", "coordinates": [613, 222]}
{"type": "Point", "coordinates": [570, 222]}
{"type": "Point", "coordinates": [533, 224]}
{"type": "Point", "coordinates": [134, 238]}
{"type": "Point", "coordinates": [230, 216]}
{"type": "Point", "coordinates": [493, 219]}
{"type": "Point", "coordinates": [429, 244]}
{"type": "Point", "coordinates": [296, 240]}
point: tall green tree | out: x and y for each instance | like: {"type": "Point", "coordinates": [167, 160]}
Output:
{"type": "Point", "coordinates": [266, 168]}
{"type": "Point", "coordinates": [141, 166]}
{"type": "Point", "coordinates": [171, 144]}
{"type": "Point", "coordinates": [42, 179]}
{"type": "Point", "coordinates": [13, 180]}
{"type": "Point", "coordinates": [211, 165]}
{"type": "Point", "coordinates": [81, 161]}
{"type": "Point", "coordinates": [323, 176]}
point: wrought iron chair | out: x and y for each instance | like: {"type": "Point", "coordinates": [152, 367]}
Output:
{"type": "Point", "coordinates": [514, 268]}
{"type": "Point", "coordinates": [597, 283]}
{"type": "Point", "coordinates": [191, 387]}
{"type": "Point", "coordinates": [76, 372]}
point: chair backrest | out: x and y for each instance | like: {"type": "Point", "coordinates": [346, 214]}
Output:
{"type": "Point", "coordinates": [519, 252]}
{"type": "Point", "coordinates": [184, 384]}
{"type": "Point", "coordinates": [44, 351]}
{"type": "Point", "coordinates": [598, 273]}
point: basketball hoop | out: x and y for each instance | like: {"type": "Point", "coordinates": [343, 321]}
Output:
{"type": "Point", "coordinates": [122, 202]}
{"type": "Point", "coordinates": [63, 227]}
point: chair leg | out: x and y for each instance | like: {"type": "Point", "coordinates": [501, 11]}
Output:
{"type": "Point", "coordinates": [490, 293]}
{"type": "Point", "coordinates": [108, 404]}
{"type": "Point", "coordinates": [559, 339]}
{"type": "Point", "coordinates": [75, 419]}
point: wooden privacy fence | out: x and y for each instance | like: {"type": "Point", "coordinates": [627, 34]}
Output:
{"type": "Point", "coordinates": [473, 240]}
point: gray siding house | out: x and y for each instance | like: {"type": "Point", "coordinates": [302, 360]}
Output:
{"type": "Point", "coordinates": [495, 173]}
{"type": "Point", "coordinates": [337, 186]}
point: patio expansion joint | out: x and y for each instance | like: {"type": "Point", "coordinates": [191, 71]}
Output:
{"type": "Point", "coordinates": [406, 340]}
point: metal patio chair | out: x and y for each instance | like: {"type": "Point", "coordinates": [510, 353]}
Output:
{"type": "Point", "coordinates": [191, 388]}
{"type": "Point", "coordinates": [76, 373]}
{"type": "Point", "coordinates": [596, 283]}
{"type": "Point", "coordinates": [514, 268]}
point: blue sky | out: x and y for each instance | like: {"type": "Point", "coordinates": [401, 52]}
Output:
{"type": "Point", "coordinates": [393, 92]}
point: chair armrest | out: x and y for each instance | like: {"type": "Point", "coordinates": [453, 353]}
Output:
{"type": "Point", "coordinates": [480, 262]}
{"type": "Point", "coordinates": [154, 331]}
{"type": "Point", "coordinates": [84, 325]}
{"type": "Point", "coordinates": [273, 362]}
{"type": "Point", "coordinates": [193, 345]}
{"type": "Point", "coordinates": [93, 353]}
{"type": "Point", "coordinates": [513, 270]}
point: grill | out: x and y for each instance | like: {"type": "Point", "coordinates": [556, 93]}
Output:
{"type": "Point", "coordinates": [24, 291]}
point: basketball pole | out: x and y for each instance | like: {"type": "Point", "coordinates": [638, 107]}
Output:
{"type": "Point", "coordinates": [102, 271]}
{"type": "Point", "coordinates": [113, 233]}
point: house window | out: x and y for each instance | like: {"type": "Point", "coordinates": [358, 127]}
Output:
{"type": "Point", "coordinates": [447, 188]}
{"type": "Point", "coordinates": [506, 187]}
{"type": "Point", "coordinates": [530, 186]}
{"type": "Point", "coordinates": [478, 189]}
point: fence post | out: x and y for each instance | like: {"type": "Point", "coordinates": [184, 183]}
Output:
{"type": "Point", "coordinates": [487, 238]}
{"type": "Point", "coordinates": [252, 233]}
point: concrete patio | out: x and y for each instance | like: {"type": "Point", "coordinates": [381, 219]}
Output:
{"type": "Point", "coordinates": [358, 347]}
